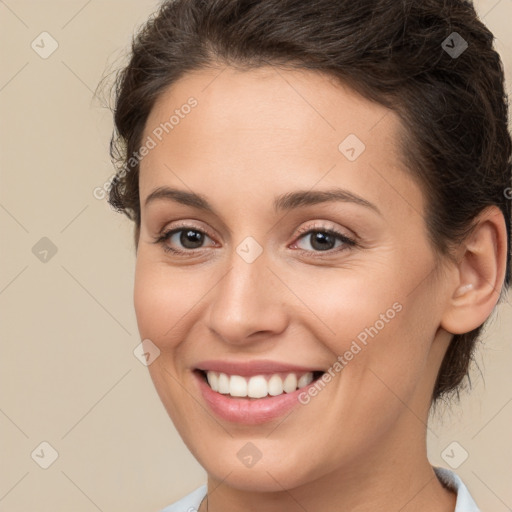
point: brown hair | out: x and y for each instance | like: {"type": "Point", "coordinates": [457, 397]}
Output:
{"type": "Point", "coordinates": [453, 107]}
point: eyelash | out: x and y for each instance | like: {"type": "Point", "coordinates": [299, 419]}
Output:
{"type": "Point", "coordinates": [302, 233]}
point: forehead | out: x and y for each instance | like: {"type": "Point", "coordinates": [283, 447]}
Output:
{"type": "Point", "coordinates": [263, 129]}
{"type": "Point", "coordinates": [294, 101]}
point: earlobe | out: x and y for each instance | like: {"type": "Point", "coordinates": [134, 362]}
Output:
{"type": "Point", "coordinates": [481, 272]}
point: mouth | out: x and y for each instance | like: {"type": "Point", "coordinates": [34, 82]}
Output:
{"type": "Point", "coordinates": [253, 392]}
{"type": "Point", "coordinates": [256, 387]}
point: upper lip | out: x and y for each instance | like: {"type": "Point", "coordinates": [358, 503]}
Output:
{"type": "Point", "coordinates": [250, 368]}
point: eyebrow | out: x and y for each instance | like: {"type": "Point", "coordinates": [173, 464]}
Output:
{"type": "Point", "coordinates": [285, 202]}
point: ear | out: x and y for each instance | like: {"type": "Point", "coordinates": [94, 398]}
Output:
{"type": "Point", "coordinates": [481, 272]}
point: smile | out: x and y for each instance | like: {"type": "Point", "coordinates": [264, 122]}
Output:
{"type": "Point", "coordinates": [252, 392]}
{"type": "Point", "coordinates": [259, 386]}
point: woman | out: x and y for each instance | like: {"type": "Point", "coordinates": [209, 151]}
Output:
{"type": "Point", "coordinates": [320, 198]}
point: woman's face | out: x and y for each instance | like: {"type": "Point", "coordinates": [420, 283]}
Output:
{"type": "Point", "coordinates": [306, 252]}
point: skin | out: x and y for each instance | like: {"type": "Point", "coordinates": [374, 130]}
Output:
{"type": "Point", "coordinates": [360, 444]}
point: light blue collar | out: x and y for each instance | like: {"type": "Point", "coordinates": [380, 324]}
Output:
{"type": "Point", "coordinates": [465, 502]}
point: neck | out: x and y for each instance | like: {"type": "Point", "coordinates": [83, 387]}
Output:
{"type": "Point", "coordinates": [397, 476]}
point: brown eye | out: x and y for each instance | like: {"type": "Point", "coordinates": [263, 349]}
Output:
{"type": "Point", "coordinates": [190, 238]}
{"type": "Point", "coordinates": [183, 239]}
{"type": "Point", "coordinates": [320, 240]}
{"type": "Point", "coordinates": [323, 240]}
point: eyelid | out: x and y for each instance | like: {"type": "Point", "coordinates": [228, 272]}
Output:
{"type": "Point", "coordinates": [165, 234]}
{"type": "Point", "coordinates": [322, 226]}
{"type": "Point", "coordinates": [348, 241]}
{"type": "Point", "coordinates": [182, 225]}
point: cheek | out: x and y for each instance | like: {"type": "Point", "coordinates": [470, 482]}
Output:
{"type": "Point", "coordinates": [345, 306]}
{"type": "Point", "coordinates": [162, 299]}
{"type": "Point", "coordinates": [380, 330]}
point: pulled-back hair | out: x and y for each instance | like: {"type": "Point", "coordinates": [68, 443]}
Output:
{"type": "Point", "coordinates": [453, 107]}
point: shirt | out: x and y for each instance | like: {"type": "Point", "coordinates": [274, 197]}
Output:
{"type": "Point", "coordinates": [465, 503]}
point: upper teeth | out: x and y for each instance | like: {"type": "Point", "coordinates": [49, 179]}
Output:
{"type": "Point", "coordinates": [258, 386]}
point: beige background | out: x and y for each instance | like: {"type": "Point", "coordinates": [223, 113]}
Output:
{"type": "Point", "coordinates": [68, 375]}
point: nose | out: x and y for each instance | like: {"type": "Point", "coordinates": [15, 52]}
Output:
{"type": "Point", "coordinates": [248, 304]}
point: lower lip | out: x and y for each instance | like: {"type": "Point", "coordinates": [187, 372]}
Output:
{"type": "Point", "coordinates": [248, 411]}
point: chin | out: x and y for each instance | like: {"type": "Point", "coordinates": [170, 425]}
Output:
{"type": "Point", "coordinates": [274, 471]}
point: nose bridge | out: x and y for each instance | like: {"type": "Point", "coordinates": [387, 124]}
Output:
{"type": "Point", "coordinates": [244, 301]}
